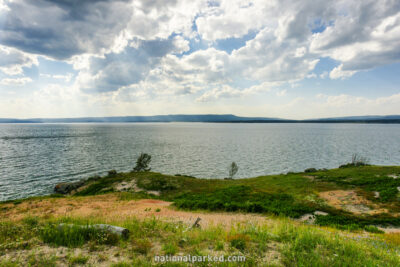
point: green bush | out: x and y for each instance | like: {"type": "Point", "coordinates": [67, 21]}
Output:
{"type": "Point", "coordinates": [157, 183]}
{"type": "Point", "coordinates": [238, 241]}
{"type": "Point", "coordinates": [242, 198]}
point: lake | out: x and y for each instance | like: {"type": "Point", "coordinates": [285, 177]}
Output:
{"type": "Point", "coordinates": [35, 157]}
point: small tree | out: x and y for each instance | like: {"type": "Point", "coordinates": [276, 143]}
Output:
{"type": "Point", "coordinates": [233, 169]}
{"type": "Point", "coordinates": [142, 163]}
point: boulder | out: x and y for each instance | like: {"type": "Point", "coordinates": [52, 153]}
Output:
{"type": "Point", "coordinates": [66, 188]}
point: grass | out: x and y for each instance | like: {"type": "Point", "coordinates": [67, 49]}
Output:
{"type": "Point", "coordinates": [293, 244]}
{"type": "Point", "coordinates": [78, 260]}
{"type": "Point", "coordinates": [367, 178]}
{"type": "Point", "coordinates": [75, 235]}
{"type": "Point", "coordinates": [243, 198]}
{"type": "Point", "coordinates": [338, 239]}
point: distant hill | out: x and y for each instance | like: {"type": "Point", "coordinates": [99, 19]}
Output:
{"type": "Point", "coordinates": [360, 119]}
{"type": "Point", "coordinates": [205, 118]}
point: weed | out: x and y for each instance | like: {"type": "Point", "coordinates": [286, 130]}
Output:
{"type": "Point", "coordinates": [238, 241]}
{"type": "Point", "coordinates": [142, 246]}
{"type": "Point", "coordinates": [78, 260]}
{"type": "Point", "coordinates": [169, 248]}
{"type": "Point", "coordinates": [42, 260]}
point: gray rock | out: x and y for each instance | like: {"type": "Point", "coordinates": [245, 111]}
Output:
{"type": "Point", "coordinates": [66, 188]}
{"type": "Point", "coordinates": [120, 231]}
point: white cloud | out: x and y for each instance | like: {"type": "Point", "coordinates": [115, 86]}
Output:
{"type": "Point", "coordinates": [15, 81]}
{"type": "Point", "coordinates": [66, 78]}
{"type": "Point", "coordinates": [339, 73]}
{"type": "Point", "coordinates": [161, 50]}
{"type": "Point", "coordinates": [366, 36]}
{"type": "Point", "coordinates": [12, 61]}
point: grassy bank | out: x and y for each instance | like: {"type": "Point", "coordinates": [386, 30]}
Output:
{"type": "Point", "coordinates": [279, 242]}
{"type": "Point", "coordinates": [260, 218]}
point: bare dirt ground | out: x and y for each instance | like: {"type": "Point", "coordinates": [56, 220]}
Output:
{"type": "Point", "coordinates": [349, 200]}
{"type": "Point", "coordinates": [110, 206]}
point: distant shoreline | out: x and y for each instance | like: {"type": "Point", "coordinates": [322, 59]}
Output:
{"type": "Point", "coordinates": [250, 121]}
{"type": "Point", "coordinates": [210, 118]}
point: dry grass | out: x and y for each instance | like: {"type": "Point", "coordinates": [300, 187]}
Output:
{"type": "Point", "coordinates": [349, 200]}
{"type": "Point", "coordinates": [110, 206]}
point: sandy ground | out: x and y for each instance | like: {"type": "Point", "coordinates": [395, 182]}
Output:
{"type": "Point", "coordinates": [109, 206]}
{"type": "Point", "coordinates": [349, 200]}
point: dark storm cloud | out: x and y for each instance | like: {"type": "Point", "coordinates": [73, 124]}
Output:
{"type": "Point", "coordinates": [61, 29]}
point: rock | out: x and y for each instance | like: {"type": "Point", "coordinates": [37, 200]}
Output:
{"type": "Point", "coordinates": [66, 188]}
{"type": "Point", "coordinates": [321, 213]}
{"type": "Point", "coordinates": [308, 218]}
{"type": "Point", "coordinates": [120, 231]}
{"type": "Point", "coordinates": [310, 170]}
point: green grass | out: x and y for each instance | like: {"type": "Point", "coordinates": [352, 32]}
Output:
{"type": "Point", "coordinates": [368, 178]}
{"type": "Point", "coordinates": [75, 235]}
{"type": "Point", "coordinates": [243, 198]}
{"type": "Point", "coordinates": [296, 245]}
{"type": "Point", "coordinates": [292, 194]}
{"type": "Point", "coordinates": [78, 260]}
{"type": "Point", "coordinates": [286, 195]}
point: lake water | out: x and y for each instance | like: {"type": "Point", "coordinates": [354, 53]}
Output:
{"type": "Point", "coordinates": [35, 157]}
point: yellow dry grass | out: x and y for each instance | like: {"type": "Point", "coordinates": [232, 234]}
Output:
{"type": "Point", "coordinates": [110, 206]}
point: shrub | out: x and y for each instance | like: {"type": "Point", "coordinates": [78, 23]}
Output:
{"type": "Point", "coordinates": [142, 163]}
{"type": "Point", "coordinates": [238, 241]}
{"type": "Point", "coordinates": [80, 259]}
{"type": "Point", "coordinates": [310, 170]}
{"type": "Point", "coordinates": [157, 183]}
{"type": "Point", "coordinates": [142, 246]}
{"type": "Point", "coordinates": [169, 249]}
{"type": "Point", "coordinates": [373, 229]}
{"type": "Point", "coordinates": [356, 161]}
{"type": "Point", "coordinates": [242, 198]}
{"type": "Point", "coordinates": [233, 169]}
{"type": "Point", "coordinates": [112, 173]}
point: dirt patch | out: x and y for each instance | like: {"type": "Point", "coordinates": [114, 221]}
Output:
{"type": "Point", "coordinates": [126, 186]}
{"type": "Point", "coordinates": [349, 200]}
{"type": "Point", "coordinates": [310, 177]}
{"type": "Point", "coordinates": [390, 230]}
{"type": "Point", "coordinates": [110, 206]}
{"type": "Point", "coordinates": [131, 186]}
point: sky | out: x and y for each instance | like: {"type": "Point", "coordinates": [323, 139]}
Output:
{"type": "Point", "coordinates": [278, 58]}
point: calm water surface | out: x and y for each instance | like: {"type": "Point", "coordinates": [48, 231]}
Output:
{"type": "Point", "coordinates": [34, 157]}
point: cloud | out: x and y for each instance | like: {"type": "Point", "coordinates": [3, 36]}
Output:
{"type": "Point", "coordinates": [116, 70]}
{"type": "Point", "coordinates": [66, 78]}
{"type": "Point", "coordinates": [366, 36]}
{"type": "Point", "coordinates": [199, 50]}
{"type": "Point", "coordinates": [61, 29]}
{"type": "Point", "coordinates": [12, 61]}
{"type": "Point", "coordinates": [15, 81]}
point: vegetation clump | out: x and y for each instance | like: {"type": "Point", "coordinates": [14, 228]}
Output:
{"type": "Point", "coordinates": [233, 169]}
{"type": "Point", "coordinates": [243, 198]}
{"type": "Point", "coordinates": [76, 235]}
{"type": "Point", "coordinates": [356, 161]}
{"type": "Point", "coordinates": [142, 163]}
